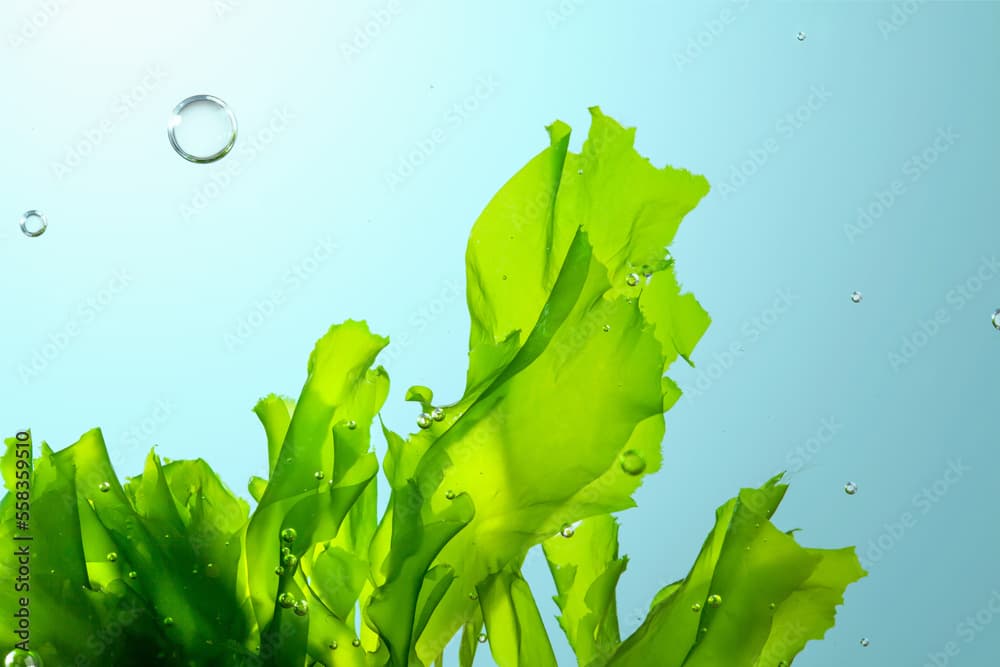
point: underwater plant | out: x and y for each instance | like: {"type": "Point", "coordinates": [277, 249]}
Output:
{"type": "Point", "coordinates": [576, 315]}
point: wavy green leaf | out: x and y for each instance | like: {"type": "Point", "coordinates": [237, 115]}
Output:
{"type": "Point", "coordinates": [773, 594]}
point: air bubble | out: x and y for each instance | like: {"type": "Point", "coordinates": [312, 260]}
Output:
{"type": "Point", "coordinates": [112, 557]}
{"type": "Point", "coordinates": [352, 424]}
{"type": "Point", "coordinates": [696, 607]}
{"type": "Point", "coordinates": [202, 129]}
{"type": "Point", "coordinates": [715, 600]}
{"type": "Point", "coordinates": [319, 474]}
{"type": "Point", "coordinates": [332, 645]}
{"type": "Point", "coordinates": [437, 414]}
{"type": "Point", "coordinates": [133, 574]}
{"type": "Point", "coordinates": [288, 535]}
{"type": "Point", "coordinates": [996, 319]}
{"type": "Point", "coordinates": [606, 328]}
{"type": "Point", "coordinates": [449, 494]}
{"type": "Point", "coordinates": [632, 462]}
{"type": "Point", "coordinates": [567, 531]}
{"type": "Point", "coordinates": [34, 223]}
{"type": "Point", "coordinates": [21, 658]}
{"type": "Point", "coordinates": [424, 420]}
{"type": "Point", "coordinates": [850, 488]}
{"type": "Point", "coordinates": [356, 643]}
{"type": "Point", "coordinates": [168, 621]}
{"type": "Point", "coordinates": [856, 297]}
{"type": "Point", "coordinates": [482, 637]}
{"type": "Point", "coordinates": [864, 641]}
{"type": "Point", "coordinates": [301, 608]}
{"type": "Point", "coordinates": [286, 600]}
{"type": "Point", "coordinates": [632, 280]}
{"type": "Point", "coordinates": [801, 37]}
{"type": "Point", "coordinates": [104, 487]}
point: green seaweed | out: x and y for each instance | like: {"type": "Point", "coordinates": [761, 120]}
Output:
{"type": "Point", "coordinates": [576, 315]}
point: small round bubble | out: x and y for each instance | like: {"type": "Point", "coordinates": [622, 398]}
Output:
{"type": "Point", "coordinates": [112, 557]}
{"type": "Point", "coordinates": [632, 462]}
{"type": "Point", "coordinates": [352, 424]}
{"type": "Point", "coordinates": [856, 297]}
{"type": "Point", "coordinates": [715, 600]}
{"type": "Point", "coordinates": [424, 420]}
{"type": "Point", "coordinates": [437, 414]}
{"type": "Point", "coordinates": [319, 474]}
{"type": "Point", "coordinates": [104, 487]}
{"type": "Point", "coordinates": [288, 535]}
{"type": "Point", "coordinates": [301, 608]}
{"type": "Point", "coordinates": [34, 223]}
{"type": "Point", "coordinates": [482, 638]}
{"type": "Point", "coordinates": [567, 531]}
{"type": "Point", "coordinates": [133, 574]}
{"type": "Point", "coordinates": [696, 607]}
{"type": "Point", "coordinates": [202, 129]}
{"type": "Point", "coordinates": [801, 37]}
{"type": "Point", "coordinates": [356, 643]}
{"type": "Point", "coordinates": [864, 641]}
{"type": "Point", "coordinates": [21, 658]}
{"type": "Point", "coordinates": [286, 600]}
{"type": "Point", "coordinates": [632, 280]}
{"type": "Point", "coordinates": [850, 488]}
{"type": "Point", "coordinates": [996, 319]}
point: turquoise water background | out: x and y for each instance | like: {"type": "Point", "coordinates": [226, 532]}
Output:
{"type": "Point", "coordinates": [167, 297]}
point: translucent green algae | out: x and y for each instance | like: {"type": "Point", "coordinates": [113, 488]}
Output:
{"type": "Point", "coordinates": [576, 316]}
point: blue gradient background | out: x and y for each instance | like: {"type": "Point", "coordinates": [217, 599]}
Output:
{"type": "Point", "coordinates": [791, 375]}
